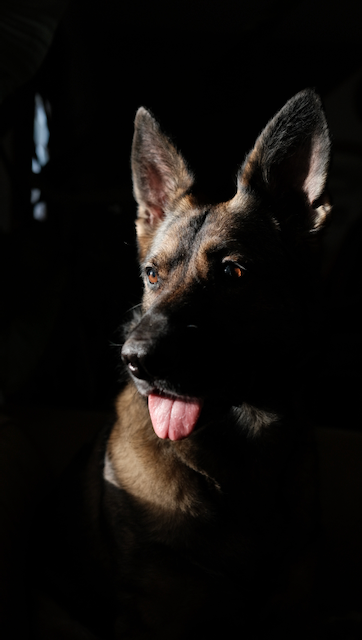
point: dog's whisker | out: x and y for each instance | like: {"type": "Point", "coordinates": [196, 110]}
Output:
{"type": "Point", "coordinates": [136, 306]}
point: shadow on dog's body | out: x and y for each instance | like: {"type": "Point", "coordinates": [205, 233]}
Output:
{"type": "Point", "coordinates": [195, 515]}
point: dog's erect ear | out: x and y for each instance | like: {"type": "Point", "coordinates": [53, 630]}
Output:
{"type": "Point", "coordinates": [292, 155]}
{"type": "Point", "coordinates": [159, 174]}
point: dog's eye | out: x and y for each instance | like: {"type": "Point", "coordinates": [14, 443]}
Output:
{"type": "Point", "coordinates": [152, 275]}
{"type": "Point", "coordinates": [233, 270]}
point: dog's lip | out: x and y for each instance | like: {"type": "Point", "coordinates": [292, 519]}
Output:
{"type": "Point", "coordinates": [171, 395]}
{"type": "Point", "coordinates": [165, 393]}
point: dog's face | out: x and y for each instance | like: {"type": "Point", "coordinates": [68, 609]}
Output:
{"type": "Point", "coordinates": [225, 286]}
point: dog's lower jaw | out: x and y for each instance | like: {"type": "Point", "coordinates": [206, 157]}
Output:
{"type": "Point", "coordinates": [175, 416]}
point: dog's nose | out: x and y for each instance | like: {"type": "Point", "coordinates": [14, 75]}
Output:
{"type": "Point", "coordinates": [133, 360]}
{"type": "Point", "coordinates": [133, 364]}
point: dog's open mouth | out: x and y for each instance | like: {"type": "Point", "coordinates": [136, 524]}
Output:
{"type": "Point", "coordinates": [174, 418]}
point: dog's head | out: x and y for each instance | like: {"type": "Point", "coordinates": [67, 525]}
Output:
{"type": "Point", "coordinates": [225, 286]}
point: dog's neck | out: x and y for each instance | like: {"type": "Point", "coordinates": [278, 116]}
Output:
{"type": "Point", "coordinates": [176, 478]}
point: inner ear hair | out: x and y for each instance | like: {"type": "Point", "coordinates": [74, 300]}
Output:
{"type": "Point", "coordinates": [159, 171]}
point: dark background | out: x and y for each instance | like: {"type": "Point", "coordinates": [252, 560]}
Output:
{"type": "Point", "coordinates": [213, 73]}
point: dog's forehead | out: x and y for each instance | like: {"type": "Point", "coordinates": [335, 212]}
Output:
{"type": "Point", "coordinates": [203, 230]}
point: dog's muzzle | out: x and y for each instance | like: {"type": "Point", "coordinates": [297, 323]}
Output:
{"type": "Point", "coordinates": [161, 354]}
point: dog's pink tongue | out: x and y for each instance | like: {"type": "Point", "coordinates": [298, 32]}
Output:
{"type": "Point", "coordinates": [174, 419]}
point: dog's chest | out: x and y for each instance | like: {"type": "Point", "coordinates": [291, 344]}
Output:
{"type": "Point", "coordinates": [179, 512]}
{"type": "Point", "coordinates": [173, 567]}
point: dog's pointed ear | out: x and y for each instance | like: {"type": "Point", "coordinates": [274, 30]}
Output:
{"type": "Point", "coordinates": [159, 173]}
{"type": "Point", "coordinates": [292, 155]}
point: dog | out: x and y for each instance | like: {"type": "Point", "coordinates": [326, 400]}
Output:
{"type": "Point", "coordinates": [196, 514]}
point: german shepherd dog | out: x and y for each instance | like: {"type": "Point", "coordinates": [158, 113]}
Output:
{"type": "Point", "coordinates": [196, 515]}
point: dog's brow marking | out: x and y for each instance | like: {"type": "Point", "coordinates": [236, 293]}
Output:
{"type": "Point", "coordinates": [197, 221]}
{"type": "Point", "coordinates": [177, 236]}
